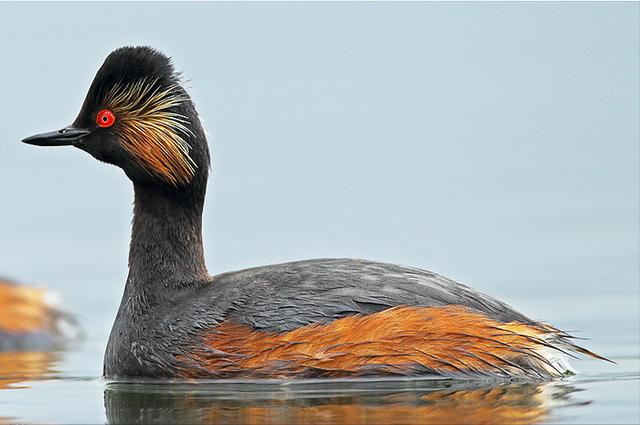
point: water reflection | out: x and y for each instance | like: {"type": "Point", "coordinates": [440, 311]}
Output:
{"type": "Point", "coordinates": [398, 402]}
{"type": "Point", "coordinates": [21, 366]}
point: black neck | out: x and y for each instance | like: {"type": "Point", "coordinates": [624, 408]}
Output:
{"type": "Point", "coordinates": [166, 253]}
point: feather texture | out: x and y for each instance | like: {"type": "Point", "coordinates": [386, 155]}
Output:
{"type": "Point", "coordinates": [151, 130]}
{"type": "Point", "coordinates": [451, 341]}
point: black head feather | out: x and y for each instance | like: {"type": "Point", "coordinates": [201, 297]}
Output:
{"type": "Point", "coordinates": [129, 146]}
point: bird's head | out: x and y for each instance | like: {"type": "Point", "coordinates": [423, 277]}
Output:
{"type": "Point", "coordinates": [138, 117]}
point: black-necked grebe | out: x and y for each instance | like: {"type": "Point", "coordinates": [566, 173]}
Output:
{"type": "Point", "coordinates": [30, 319]}
{"type": "Point", "coordinates": [315, 318]}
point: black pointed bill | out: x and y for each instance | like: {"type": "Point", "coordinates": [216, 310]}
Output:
{"type": "Point", "coordinates": [65, 137]}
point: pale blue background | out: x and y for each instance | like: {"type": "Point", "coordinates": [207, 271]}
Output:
{"type": "Point", "coordinates": [496, 144]}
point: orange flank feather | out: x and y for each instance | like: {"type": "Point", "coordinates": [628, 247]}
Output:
{"type": "Point", "coordinates": [22, 309]}
{"type": "Point", "coordinates": [451, 341]}
{"type": "Point", "coordinates": [29, 320]}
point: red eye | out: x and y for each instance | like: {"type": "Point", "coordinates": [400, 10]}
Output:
{"type": "Point", "coordinates": [105, 118]}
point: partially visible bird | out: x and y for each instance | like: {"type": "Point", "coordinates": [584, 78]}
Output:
{"type": "Point", "coordinates": [305, 319]}
{"type": "Point", "coordinates": [30, 319]}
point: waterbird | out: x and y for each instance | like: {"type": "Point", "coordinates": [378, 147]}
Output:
{"type": "Point", "coordinates": [320, 318]}
{"type": "Point", "coordinates": [32, 321]}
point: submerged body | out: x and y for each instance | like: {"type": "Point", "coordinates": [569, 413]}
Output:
{"type": "Point", "coordinates": [315, 318]}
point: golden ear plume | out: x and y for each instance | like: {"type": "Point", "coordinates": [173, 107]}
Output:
{"type": "Point", "coordinates": [150, 131]}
